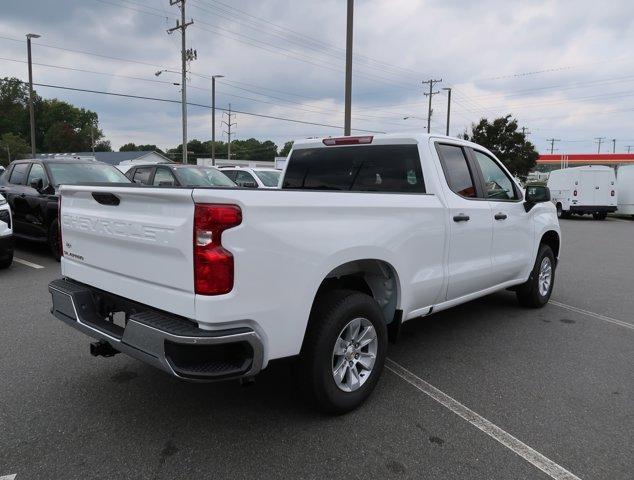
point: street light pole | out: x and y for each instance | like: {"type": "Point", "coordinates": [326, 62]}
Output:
{"type": "Point", "coordinates": [448, 89]}
{"type": "Point", "coordinates": [29, 36]}
{"type": "Point", "coordinates": [348, 91]}
{"type": "Point", "coordinates": [213, 118]}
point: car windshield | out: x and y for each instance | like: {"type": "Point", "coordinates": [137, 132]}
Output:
{"type": "Point", "coordinates": [74, 173]}
{"type": "Point", "coordinates": [269, 178]}
{"type": "Point", "coordinates": [203, 177]}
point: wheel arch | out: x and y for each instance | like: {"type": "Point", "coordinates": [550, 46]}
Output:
{"type": "Point", "coordinates": [551, 238]}
{"type": "Point", "coordinates": [374, 277]}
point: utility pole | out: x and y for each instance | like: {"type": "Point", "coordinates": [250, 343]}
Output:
{"type": "Point", "coordinates": [182, 26]}
{"type": "Point", "coordinates": [229, 123]}
{"type": "Point", "coordinates": [599, 141]}
{"type": "Point", "coordinates": [430, 94]}
{"type": "Point", "coordinates": [525, 132]}
{"type": "Point", "coordinates": [29, 36]}
{"type": "Point", "coordinates": [552, 143]}
{"type": "Point", "coordinates": [614, 145]}
{"type": "Point", "coordinates": [348, 89]}
{"type": "Point", "coordinates": [92, 138]}
{"type": "Point", "coordinates": [213, 118]}
{"type": "Point", "coordinates": [629, 147]}
{"type": "Point", "coordinates": [448, 90]}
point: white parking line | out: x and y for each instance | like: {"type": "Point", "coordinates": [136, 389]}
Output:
{"type": "Point", "coordinates": [28, 264]}
{"type": "Point", "coordinates": [8, 477]}
{"type": "Point", "coordinates": [518, 447]}
{"type": "Point", "coordinates": [592, 314]}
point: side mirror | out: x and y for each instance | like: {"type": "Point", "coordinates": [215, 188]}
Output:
{"type": "Point", "coordinates": [37, 184]}
{"type": "Point", "coordinates": [536, 194]}
{"type": "Point", "coordinates": [166, 183]}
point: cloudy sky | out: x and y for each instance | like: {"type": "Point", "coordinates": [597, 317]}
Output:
{"type": "Point", "coordinates": [565, 69]}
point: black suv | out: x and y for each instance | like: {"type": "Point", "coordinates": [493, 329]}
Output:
{"type": "Point", "coordinates": [32, 189]}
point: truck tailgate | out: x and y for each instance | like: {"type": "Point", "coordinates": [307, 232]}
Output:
{"type": "Point", "coordinates": [131, 241]}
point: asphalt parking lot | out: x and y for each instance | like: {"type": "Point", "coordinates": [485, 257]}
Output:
{"type": "Point", "coordinates": [487, 390]}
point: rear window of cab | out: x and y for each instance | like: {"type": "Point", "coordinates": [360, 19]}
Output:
{"type": "Point", "coordinates": [359, 168]}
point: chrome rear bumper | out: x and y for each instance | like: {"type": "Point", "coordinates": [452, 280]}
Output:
{"type": "Point", "coordinates": [171, 343]}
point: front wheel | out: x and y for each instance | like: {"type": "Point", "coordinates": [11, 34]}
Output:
{"type": "Point", "coordinates": [54, 240]}
{"type": "Point", "coordinates": [536, 292]}
{"type": "Point", "coordinates": [344, 351]}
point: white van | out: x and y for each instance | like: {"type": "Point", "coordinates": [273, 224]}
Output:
{"type": "Point", "coordinates": [583, 190]}
{"type": "Point", "coordinates": [625, 186]}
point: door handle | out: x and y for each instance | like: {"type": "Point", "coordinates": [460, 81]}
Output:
{"type": "Point", "coordinates": [461, 218]}
{"type": "Point", "coordinates": [500, 216]}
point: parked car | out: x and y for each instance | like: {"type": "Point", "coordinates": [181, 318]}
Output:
{"type": "Point", "coordinates": [583, 190]}
{"type": "Point", "coordinates": [625, 187]}
{"type": "Point", "coordinates": [365, 234]}
{"type": "Point", "coordinates": [253, 177]}
{"type": "Point", "coordinates": [6, 234]}
{"type": "Point", "coordinates": [32, 188]}
{"type": "Point", "coordinates": [170, 175]}
{"type": "Point", "coordinates": [126, 165]}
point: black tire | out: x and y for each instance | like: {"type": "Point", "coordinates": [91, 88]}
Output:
{"type": "Point", "coordinates": [529, 294]}
{"type": "Point", "coordinates": [560, 211]}
{"type": "Point", "coordinates": [603, 216]}
{"type": "Point", "coordinates": [596, 216]}
{"type": "Point", "coordinates": [332, 311]}
{"type": "Point", "coordinates": [6, 261]}
{"type": "Point", "coordinates": [54, 240]}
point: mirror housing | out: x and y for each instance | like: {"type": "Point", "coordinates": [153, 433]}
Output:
{"type": "Point", "coordinates": [38, 185]}
{"type": "Point", "coordinates": [535, 194]}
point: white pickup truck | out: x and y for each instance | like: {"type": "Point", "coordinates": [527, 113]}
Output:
{"type": "Point", "coordinates": [364, 234]}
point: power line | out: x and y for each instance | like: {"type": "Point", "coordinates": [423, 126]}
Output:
{"type": "Point", "coordinates": [242, 112]}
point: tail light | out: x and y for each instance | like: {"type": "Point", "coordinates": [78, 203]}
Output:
{"type": "Point", "coordinates": [348, 140]}
{"type": "Point", "coordinates": [213, 264]}
{"type": "Point", "coordinates": [574, 194]}
{"type": "Point", "coordinates": [612, 193]}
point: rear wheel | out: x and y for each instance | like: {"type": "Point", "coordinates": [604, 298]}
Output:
{"type": "Point", "coordinates": [54, 240]}
{"type": "Point", "coordinates": [560, 211]}
{"type": "Point", "coordinates": [536, 292]}
{"type": "Point", "coordinates": [343, 352]}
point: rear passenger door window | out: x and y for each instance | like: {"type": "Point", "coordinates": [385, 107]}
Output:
{"type": "Point", "coordinates": [142, 175]}
{"type": "Point", "coordinates": [497, 184]}
{"type": "Point", "coordinates": [230, 173]}
{"type": "Point", "coordinates": [457, 171]}
{"type": "Point", "coordinates": [244, 179]}
{"type": "Point", "coordinates": [163, 177]}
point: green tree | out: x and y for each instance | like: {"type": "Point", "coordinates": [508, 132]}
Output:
{"type": "Point", "coordinates": [103, 146]}
{"type": "Point", "coordinates": [11, 147]}
{"type": "Point", "coordinates": [149, 147]}
{"type": "Point", "coordinates": [14, 107]}
{"type": "Point", "coordinates": [128, 147]}
{"type": "Point", "coordinates": [503, 137]}
{"type": "Point", "coordinates": [286, 149]}
{"type": "Point", "coordinates": [59, 126]}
